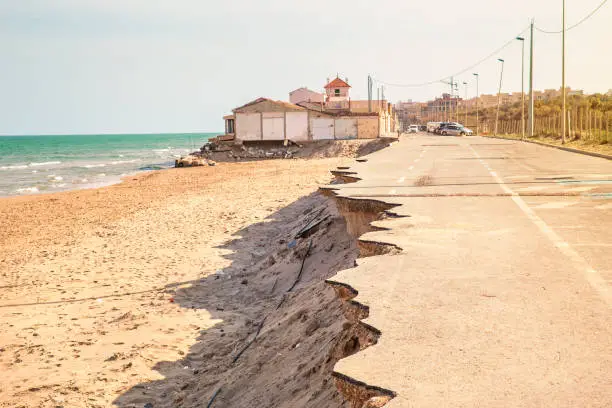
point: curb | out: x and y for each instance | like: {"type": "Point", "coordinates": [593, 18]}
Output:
{"type": "Point", "coordinates": [567, 149]}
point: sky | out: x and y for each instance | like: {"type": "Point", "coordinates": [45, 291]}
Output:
{"type": "Point", "coordinates": [152, 66]}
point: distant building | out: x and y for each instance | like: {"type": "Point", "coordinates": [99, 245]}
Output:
{"type": "Point", "coordinates": [311, 117]}
{"type": "Point", "coordinates": [305, 95]}
{"type": "Point", "coordinates": [337, 94]}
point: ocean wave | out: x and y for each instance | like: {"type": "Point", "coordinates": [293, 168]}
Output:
{"type": "Point", "coordinates": [27, 190]}
{"type": "Point", "coordinates": [14, 167]}
{"type": "Point", "coordinates": [33, 164]}
{"type": "Point", "coordinates": [91, 166]}
{"type": "Point", "coordinates": [125, 161]}
{"type": "Point", "coordinates": [60, 185]}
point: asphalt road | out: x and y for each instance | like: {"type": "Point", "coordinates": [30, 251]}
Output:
{"type": "Point", "coordinates": [501, 295]}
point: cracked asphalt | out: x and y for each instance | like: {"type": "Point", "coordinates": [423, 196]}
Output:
{"type": "Point", "coordinates": [501, 294]}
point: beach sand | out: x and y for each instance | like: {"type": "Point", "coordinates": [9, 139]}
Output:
{"type": "Point", "coordinates": [94, 284]}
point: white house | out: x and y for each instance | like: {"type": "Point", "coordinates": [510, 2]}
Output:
{"type": "Point", "coordinates": [265, 119]}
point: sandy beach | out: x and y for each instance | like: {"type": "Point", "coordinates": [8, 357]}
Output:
{"type": "Point", "coordinates": [97, 286]}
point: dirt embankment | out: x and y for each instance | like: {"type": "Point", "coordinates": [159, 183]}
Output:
{"type": "Point", "coordinates": [230, 152]}
{"type": "Point", "coordinates": [282, 328]}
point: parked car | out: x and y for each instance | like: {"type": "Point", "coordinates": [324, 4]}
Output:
{"type": "Point", "coordinates": [455, 130]}
{"type": "Point", "coordinates": [432, 126]}
{"type": "Point", "coordinates": [413, 129]}
{"type": "Point", "coordinates": [441, 126]}
{"type": "Point", "coordinates": [468, 131]}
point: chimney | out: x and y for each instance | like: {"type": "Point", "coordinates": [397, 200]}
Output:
{"type": "Point", "coordinates": [346, 80]}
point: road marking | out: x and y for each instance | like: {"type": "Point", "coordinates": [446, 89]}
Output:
{"type": "Point", "coordinates": [401, 179]}
{"type": "Point", "coordinates": [591, 275]}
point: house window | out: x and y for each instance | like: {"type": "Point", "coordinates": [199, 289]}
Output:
{"type": "Point", "coordinates": [229, 126]}
{"type": "Point", "coordinates": [337, 92]}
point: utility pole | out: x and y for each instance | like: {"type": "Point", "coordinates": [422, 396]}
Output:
{"type": "Point", "coordinates": [477, 101]}
{"type": "Point", "coordinates": [450, 114]}
{"type": "Point", "coordinates": [369, 93]}
{"type": "Point", "coordinates": [465, 102]}
{"type": "Point", "coordinates": [563, 79]}
{"type": "Point", "coordinates": [501, 76]}
{"type": "Point", "coordinates": [531, 107]}
{"type": "Point", "coordinates": [522, 40]}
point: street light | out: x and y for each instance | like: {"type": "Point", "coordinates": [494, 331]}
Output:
{"type": "Point", "coordinates": [465, 101]}
{"type": "Point", "coordinates": [563, 77]}
{"type": "Point", "coordinates": [501, 76]}
{"type": "Point", "coordinates": [522, 40]}
{"type": "Point", "coordinates": [477, 101]}
{"type": "Point", "coordinates": [456, 101]}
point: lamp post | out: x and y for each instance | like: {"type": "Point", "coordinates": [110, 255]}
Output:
{"type": "Point", "coordinates": [465, 101]}
{"type": "Point", "coordinates": [522, 40]}
{"type": "Point", "coordinates": [501, 76]}
{"type": "Point", "coordinates": [477, 101]}
{"type": "Point", "coordinates": [563, 78]}
{"type": "Point", "coordinates": [457, 101]}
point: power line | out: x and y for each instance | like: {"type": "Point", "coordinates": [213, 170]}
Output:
{"type": "Point", "coordinates": [577, 24]}
{"type": "Point", "coordinates": [457, 73]}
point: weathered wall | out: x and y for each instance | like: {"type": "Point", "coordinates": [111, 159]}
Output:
{"type": "Point", "coordinates": [368, 127]}
{"type": "Point", "coordinates": [297, 126]}
{"type": "Point", "coordinates": [248, 126]}
{"type": "Point", "coordinates": [361, 106]}
{"type": "Point", "coordinates": [346, 128]}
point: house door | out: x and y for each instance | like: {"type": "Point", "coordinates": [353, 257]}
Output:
{"type": "Point", "coordinates": [322, 128]}
{"type": "Point", "coordinates": [273, 128]}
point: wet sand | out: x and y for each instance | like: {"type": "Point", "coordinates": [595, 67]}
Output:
{"type": "Point", "coordinates": [87, 278]}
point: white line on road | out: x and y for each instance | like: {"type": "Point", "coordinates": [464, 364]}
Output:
{"type": "Point", "coordinates": [592, 276]}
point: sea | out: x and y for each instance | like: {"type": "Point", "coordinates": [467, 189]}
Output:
{"type": "Point", "coordinates": [46, 164]}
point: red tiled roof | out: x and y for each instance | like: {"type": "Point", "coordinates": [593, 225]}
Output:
{"type": "Point", "coordinates": [337, 83]}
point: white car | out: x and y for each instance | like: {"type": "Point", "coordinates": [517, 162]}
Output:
{"type": "Point", "coordinates": [413, 129]}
